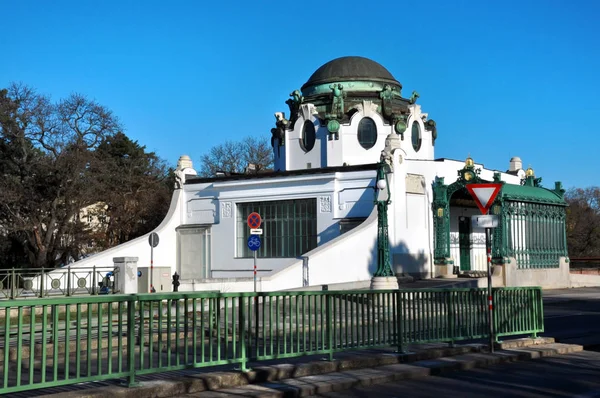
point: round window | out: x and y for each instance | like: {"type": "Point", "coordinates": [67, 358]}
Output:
{"type": "Point", "coordinates": [307, 141]}
{"type": "Point", "coordinates": [416, 136]}
{"type": "Point", "coordinates": [367, 133]}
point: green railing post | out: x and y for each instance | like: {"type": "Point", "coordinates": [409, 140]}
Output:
{"type": "Point", "coordinates": [93, 280]}
{"type": "Point", "coordinates": [535, 304]}
{"type": "Point", "coordinates": [243, 338]}
{"type": "Point", "coordinates": [68, 281]}
{"type": "Point", "coordinates": [451, 317]}
{"type": "Point", "coordinates": [131, 382]}
{"type": "Point", "coordinates": [497, 300]}
{"type": "Point", "coordinates": [42, 283]}
{"type": "Point", "coordinates": [329, 324]}
{"type": "Point", "coordinates": [256, 352]}
{"type": "Point", "coordinates": [399, 322]}
{"type": "Point", "coordinates": [13, 284]}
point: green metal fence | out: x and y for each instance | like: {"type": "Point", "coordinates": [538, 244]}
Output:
{"type": "Point", "coordinates": [59, 341]}
{"type": "Point", "coordinates": [535, 234]}
{"type": "Point", "coordinates": [66, 281]}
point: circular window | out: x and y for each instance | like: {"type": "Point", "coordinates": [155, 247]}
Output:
{"type": "Point", "coordinates": [307, 140]}
{"type": "Point", "coordinates": [416, 136]}
{"type": "Point", "coordinates": [367, 133]}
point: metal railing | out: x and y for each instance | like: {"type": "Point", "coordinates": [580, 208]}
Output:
{"type": "Point", "coordinates": [535, 234]}
{"type": "Point", "coordinates": [66, 340]}
{"type": "Point", "coordinates": [45, 282]}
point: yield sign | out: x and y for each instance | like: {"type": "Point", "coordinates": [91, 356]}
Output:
{"type": "Point", "coordinates": [484, 194]}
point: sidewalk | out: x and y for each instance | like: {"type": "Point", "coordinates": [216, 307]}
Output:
{"type": "Point", "coordinates": [311, 375]}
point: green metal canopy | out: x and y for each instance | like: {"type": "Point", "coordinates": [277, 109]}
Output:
{"type": "Point", "coordinates": [524, 193]}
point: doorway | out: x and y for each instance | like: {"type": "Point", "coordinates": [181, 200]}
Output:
{"type": "Point", "coordinates": [464, 242]}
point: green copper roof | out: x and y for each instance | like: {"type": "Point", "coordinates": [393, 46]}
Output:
{"type": "Point", "coordinates": [523, 193]}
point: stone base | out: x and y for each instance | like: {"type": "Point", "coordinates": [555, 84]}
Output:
{"type": "Point", "coordinates": [445, 271]}
{"type": "Point", "coordinates": [384, 283]}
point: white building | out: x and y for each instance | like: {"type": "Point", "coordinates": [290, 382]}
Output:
{"type": "Point", "coordinates": [318, 206]}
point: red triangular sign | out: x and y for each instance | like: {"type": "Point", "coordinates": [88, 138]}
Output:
{"type": "Point", "coordinates": [484, 194]}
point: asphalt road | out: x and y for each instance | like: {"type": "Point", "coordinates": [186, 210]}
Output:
{"type": "Point", "coordinates": [571, 316]}
{"type": "Point", "coordinates": [574, 375]}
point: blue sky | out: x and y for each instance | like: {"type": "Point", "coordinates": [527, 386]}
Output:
{"type": "Point", "coordinates": [501, 79]}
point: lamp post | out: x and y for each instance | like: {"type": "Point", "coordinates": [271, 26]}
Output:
{"type": "Point", "coordinates": [384, 277]}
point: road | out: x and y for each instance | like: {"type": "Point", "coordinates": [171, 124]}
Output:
{"type": "Point", "coordinates": [571, 316]}
{"type": "Point", "coordinates": [573, 375]}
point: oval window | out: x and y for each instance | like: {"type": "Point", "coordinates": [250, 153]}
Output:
{"type": "Point", "coordinates": [367, 133]}
{"type": "Point", "coordinates": [307, 141]}
{"type": "Point", "coordinates": [416, 136]}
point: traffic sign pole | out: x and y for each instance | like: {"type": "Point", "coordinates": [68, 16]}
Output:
{"type": "Point", "coordinates": [255, 251]}
{"type": "Point", "coordinates": [484, 195]}
{"type": "Point", "coordinates": [153, 241]}
{"type": "Point", "coordinates": [488, 249]}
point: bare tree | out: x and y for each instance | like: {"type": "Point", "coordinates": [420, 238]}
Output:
{"type": "Point", "coordinates": [46, 153]}
{"type": "Point", "coordinates": [234, 157]}
{"type": "Point", "coordinates": [583, 221]}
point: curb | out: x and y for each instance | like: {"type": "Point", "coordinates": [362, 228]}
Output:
{"type": "Point", "coordinates": [217, 380]}
{"type": "Point", "coordinates": [357, 368]}
{"type": "Point", "coordinates": [339, 381]}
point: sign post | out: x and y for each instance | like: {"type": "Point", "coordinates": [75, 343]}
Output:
{"type": "Point", "coordinates": [153, 241]}
{"type": "Point", "coordinates": [254, 242]}
{"type": "Point", "coordinates": [484, 195]}
{"type": "Point", "coordinates": [254, 220]}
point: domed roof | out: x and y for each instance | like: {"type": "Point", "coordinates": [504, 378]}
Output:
{"type": "Point", "coordinates": [350, 69]}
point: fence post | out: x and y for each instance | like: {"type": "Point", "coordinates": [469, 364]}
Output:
{"type": "Point", "coordinates": [68, 281]}
{"type": "Point", "coordinates": [243, 339]}
{"type": "Point", "coordinates": [42, 276]}
{"type": "Point", "coordinates": [131, 382]}
{"type": "Point", "coordinates": [329, 324]}
{"type": "Point", "coordinates": [399, 322]}
{"type": "Point", "coordinates": [13, 284]}
{"type": "Point", "coordinates": [451, 317]}
{"type": "Point", "coordinates": [93, 280]}
{"type": "Point", "coordinates": [537, 303]}
{"type": "Point", "coordinates": [498, 301]}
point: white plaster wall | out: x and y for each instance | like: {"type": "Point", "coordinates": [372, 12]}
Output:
{"type": "Point", "coordinates": [298, 159]}
{"type": "Point", "coordinates": [584, 280]}
{"type": "Point", "coordinates": [426, 151]}
{"type": "Point", "coordinates": [352, 152]}
{"type": "Point", "coordinates": [348, 258]}
{"type": "Point", "coordinates": [410, 221]}
{"type": "Point", "coordinates": [332, 200]}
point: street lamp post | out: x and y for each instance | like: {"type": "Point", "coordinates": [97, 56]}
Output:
{"type": "Point", "coordinates": [384, 277]}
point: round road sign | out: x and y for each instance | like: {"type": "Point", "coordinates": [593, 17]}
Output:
{"type": "Point", "coordinates": [254, 220]}
{"type": "Point", "coordinates": [254, 242]}
{"type": "Point", "coordinates": [153, 239]}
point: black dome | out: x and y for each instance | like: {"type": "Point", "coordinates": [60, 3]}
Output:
{"type": "Point", "coordinates": [349, 69]}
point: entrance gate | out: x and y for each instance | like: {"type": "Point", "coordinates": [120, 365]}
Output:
{"type": "Point", "coordinates": [464, 242]}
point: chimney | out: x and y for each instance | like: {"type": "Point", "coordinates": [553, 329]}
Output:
{"type": "Point", "coordinates": [251, 168]}
{"type": "Point", "coordinates": [515, 164]}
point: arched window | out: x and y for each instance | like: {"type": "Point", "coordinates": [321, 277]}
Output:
{"type": "Point", "coordinates": [307, 140]}
{"type": "Point", "coordinates": [367, 133]}
{"type": "Point", "coordinates": [416, 136]}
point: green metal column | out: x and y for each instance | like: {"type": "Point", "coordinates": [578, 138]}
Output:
{"type": "Point", "coordinates": [441, 221]}
{"type": "Point", "coordinates": [384, 266]}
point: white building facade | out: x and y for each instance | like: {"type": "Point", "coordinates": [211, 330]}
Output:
{"type": "Point", "coordinates": [318, 205]}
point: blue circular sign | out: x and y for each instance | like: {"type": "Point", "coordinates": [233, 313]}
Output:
{"type": "Point", "coordinates": [254, 242]}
